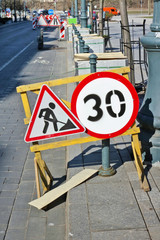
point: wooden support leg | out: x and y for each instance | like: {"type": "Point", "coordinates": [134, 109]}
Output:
{"type": "Point", "coordinates": [37, 178]}
{"type": "Point", "coordinates": [42, 170]}
{"type": "Point", "coordinates": [139, 163]}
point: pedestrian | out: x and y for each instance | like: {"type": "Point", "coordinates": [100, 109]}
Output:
{"type": "Point", "coordinates": [94, 21]}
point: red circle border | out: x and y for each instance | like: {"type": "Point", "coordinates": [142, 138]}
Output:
{"type": "Point", "coordinates": [114, 76]}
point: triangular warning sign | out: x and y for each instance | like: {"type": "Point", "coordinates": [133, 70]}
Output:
{"type": "Point", "coordinates": [51, 118]}
{"type": "Point", "coordinates": [55, 21]}
{"type": "Point", "coordinates": [42, 21]}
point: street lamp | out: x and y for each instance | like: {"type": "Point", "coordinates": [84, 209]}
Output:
{"type": "Point", "coordinates": [149, 114]}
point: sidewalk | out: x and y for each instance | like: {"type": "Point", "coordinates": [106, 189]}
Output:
{"type": "Point", "coordinates": [101, 208]}
{"type": "Point", "coordinates": [112, 208]}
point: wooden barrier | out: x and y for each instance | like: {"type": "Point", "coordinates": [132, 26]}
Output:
{"type": "Point", "coordinates": [41, 169]}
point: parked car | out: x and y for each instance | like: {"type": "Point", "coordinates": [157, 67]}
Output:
{"type": "Point", "coordinates": [111, 10]}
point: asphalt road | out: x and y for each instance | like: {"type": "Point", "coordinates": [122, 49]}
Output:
{"type": "Point", "coordinates": [16, 43]}
{"type": "Point", "coordinates": [18, 46]}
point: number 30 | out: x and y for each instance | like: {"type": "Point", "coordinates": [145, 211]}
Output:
{"type": "Point", "coordinates": [108, 105]}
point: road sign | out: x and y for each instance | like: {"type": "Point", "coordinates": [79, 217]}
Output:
{"type": "Point", "coordinates": [106, 104]}
{"type": "Point", "coordinates": [51, 118]}
{"type": "Point", "coordinates": [55, 21]}
{"type": "Point", "coordinates": [50, 11]}
{"type": "Point", "coordinates": [42, 21]}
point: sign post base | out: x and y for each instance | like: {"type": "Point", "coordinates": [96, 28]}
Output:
{"type": "Point", "coordinates": [106, 172]}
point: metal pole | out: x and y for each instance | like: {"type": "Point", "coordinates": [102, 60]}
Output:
{"type": "Point", "coordinates": [72, 10]}
{"type": "Point", "coordinates": [93, 62]}
{"type": "Point", "coordinates": [83, 14]}
{"type": "Point", "coordinates": [86, 49]}
{"type": "Point", "coordinates": [105, 170]}
{"type": "Point", "coordinates": [81, 45]}
{"type": "Point", "coordinates": [76, 9]}
{"type": "Point", "coordinates": [149, 114]}
{"type": "Point", "coordinates": [80, 38]}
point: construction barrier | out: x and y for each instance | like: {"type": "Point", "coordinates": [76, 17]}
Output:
{"type": "Point", "coordinates": [63, 30]}
{"type": "Point", "coordinates": [34, 23]}
{"type": "Point", "coordinates": [41, 169]}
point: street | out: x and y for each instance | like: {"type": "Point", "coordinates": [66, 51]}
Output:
{"type": "Point", "coordinates": [122, 210]}
{"type": "Point", "coordinates": [22, 63]}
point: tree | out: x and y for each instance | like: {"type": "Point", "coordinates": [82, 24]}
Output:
{"type": "Point", "coordinates": [101, 2]}
{"type": "Point", "coordinates": [127, 38]}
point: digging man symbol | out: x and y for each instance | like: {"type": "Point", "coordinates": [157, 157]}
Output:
{"type": "Point", "coordinates": [49, 117]}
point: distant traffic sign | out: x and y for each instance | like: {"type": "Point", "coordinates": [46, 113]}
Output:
{"type": "Point", "coordinates": [51, 118]}
{"type": "Point", "coordinates": [50, 11]}
{"type": "Point", "coordinates": [55, 21]}
{"type": "Point", "coordinates": [42, 21]}
{"type": "Point", "coordinates": [106, 104]}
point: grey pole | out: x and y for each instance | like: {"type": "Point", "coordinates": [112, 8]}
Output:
{"type": "Point", "coordinates": [72, 9]}
{"type": "Point", "coordinates": [76, 9]}
{"type": "Point", "coordinates": [149, 114]}
{"type": "Point", "coordinates": [83, 14]}
{"type": "Point", "coordinates": [93, 63]}
{"type": "Point", "coordinates": [81, 45]}
{"type": "Point", "coordinates": [105, 170]}
{"type": "Point", "coordinates": [79, 38]}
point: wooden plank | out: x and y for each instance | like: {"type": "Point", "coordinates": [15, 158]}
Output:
{"type": "Point", "coordinates": [101, 56]}
{"type": "Point", "coordinates": [37, 178]}
{"type": "Point", "coordinates": [74, 141]}
{"type": "Point", "coordinates": [36, 86]}
{"type": "Point", "coordinates": [62, 189]}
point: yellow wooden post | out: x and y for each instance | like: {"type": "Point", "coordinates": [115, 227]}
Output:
{"type": "Point", "coordinates": [138, 162]}
{"type": "Point", "coordinates": [37, 178]}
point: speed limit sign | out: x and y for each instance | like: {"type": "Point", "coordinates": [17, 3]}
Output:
{"type": "Point", "coordinates": [106, 104]}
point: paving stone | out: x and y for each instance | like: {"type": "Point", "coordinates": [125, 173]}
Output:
{"type": "Point", "coordinates": [18, 234]}
{"type": "Point", "coordinates": [154, 232]}
{"type": "Point", "coordinates": [36, 228]}
{"type": "Point", "coordinates": [57, 233]}
{"type": "Point", "coordinates": [2, 235]}
{"type": "Point", "coordinates": [79, 221]}
{"type": "Point", "coordinates": [112, 216]}
{"type": "Point", "coordinates": [148, 213]}
{"type": "Point", "coordinates": [10, 187]}
{"type": "Point", "coordinates": [6, 201]}
{"type": "Point", "coordinates": [8, 194]}
{"type": "Point", "coordinates": [19, 219]}
{"type": "Point", "coordinates": [56, 215]}
{"type": "Point", "coordinates": [21, 201]}
{"type": "Point", "coordinates": [4, 218]}
{"type": "Point", "coordinates": [131, 234]}
{"type": "Point", "coordinates": [26, 187]}
{"type": "Point", "coordinates": [28, 175]}
{"type": "Point", "coordinates": [77, 195]}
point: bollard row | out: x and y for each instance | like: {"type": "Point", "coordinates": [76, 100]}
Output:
{"type": "Point", "coordinates": [83, 48]}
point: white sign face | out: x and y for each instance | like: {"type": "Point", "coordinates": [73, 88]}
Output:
{"type": "Point", "coordinates": [42, 21]}
{"type": "Point", "coordinates": [55, 21]}
{"type": "Point", "coordinates": [51, 118]}
{"type": "Point", "coordinates": [105, 105]}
